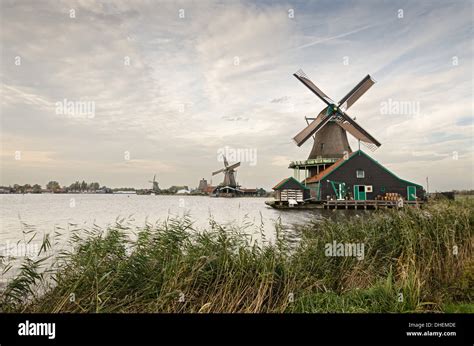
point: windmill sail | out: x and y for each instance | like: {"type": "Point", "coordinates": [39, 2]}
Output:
{"type": "Point", "coordinates": [235, 165]}
{"type": "Point", "coordinates": [330, 140]}
{"type": "Point", "coordinates": [155, 186]}
{"type": "Point", "coordinates": [303, 78]}
{"type": "Point", "coordinates": [229, 173]}
{"type": "Point", "coordinates": [312, 128]}
{"type": "Point", "coordinates": [219, 171]}
{"type": "Point", "coordinates": [357, 131]}
{"type": "Point", "coordinates": [359, 90]}
{"type": "Point", "coordinates": [225, 161]}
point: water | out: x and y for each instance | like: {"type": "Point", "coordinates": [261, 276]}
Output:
{"type": "Point", "coordinates": [45, 213]}
{"type": "Point", "coordinates": [32, 216]}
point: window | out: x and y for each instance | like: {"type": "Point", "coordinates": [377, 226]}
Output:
{"type": "Point", "coordinates": [360, 173]}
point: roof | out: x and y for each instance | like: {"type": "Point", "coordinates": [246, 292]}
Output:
{"type": "Point", "coordinates": [183, 191]}
{"type": "Point", "coordinates": [209, 189]}
{"type": "Point", "coordinates": [318, 177]}
{"type": "Point", "coordinates": [287, 180]}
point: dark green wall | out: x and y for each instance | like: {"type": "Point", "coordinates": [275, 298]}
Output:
{"type": "Point", "coordinates": [375, 175]}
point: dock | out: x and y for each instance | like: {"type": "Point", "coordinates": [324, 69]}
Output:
{"type": "Point", "coordinates": [346, 204]}
{"type": "Point", "coordinates": [368, 204]}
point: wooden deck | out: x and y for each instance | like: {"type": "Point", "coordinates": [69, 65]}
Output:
{"type": "Point", "coordinates": [346, 204]}
{"type": "Point", "coordinates": [368, 204]}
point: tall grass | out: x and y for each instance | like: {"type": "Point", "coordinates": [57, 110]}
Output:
{"type": "Point", "coordinates": [410, 264]}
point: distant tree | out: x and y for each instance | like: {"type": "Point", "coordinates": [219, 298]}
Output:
{"type": "Point", "coordinates": [94, 186]}
{"type": "Point", "coordinates": [83, 186]}
{"type": "Point", "coordinates": [121, 189]}
{"type": "Point", "coordinates": [75, 187]}
{"type": "Point", "coordinates": [36, 188]}
{"type": "Point", "coordinates": [53, 186]}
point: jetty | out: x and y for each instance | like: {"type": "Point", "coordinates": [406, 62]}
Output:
{"type": "Point", "coordinates": [345, 204]}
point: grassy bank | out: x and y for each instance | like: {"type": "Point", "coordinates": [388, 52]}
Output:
{"type": "Point", "coordinates": [410, 263]}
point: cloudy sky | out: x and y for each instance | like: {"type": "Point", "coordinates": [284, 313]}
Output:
{"type": "Point", "coordinates": [169, 84]}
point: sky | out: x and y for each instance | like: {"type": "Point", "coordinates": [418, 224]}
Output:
{"type": "Point", "coordinates": [117, 91]}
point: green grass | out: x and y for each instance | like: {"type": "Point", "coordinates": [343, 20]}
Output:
{"type": "Point", "coordinates": [459, 308]}
{"type": "Point", "coordinates": [409, 265]}
{"type": "Point", "coordinates": [458, 197]}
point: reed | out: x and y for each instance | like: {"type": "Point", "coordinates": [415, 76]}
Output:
{"type": "Point", "coordinates": [415, 260]}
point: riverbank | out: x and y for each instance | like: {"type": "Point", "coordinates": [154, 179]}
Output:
{"type": "Point", "coordinates": [390, 261]}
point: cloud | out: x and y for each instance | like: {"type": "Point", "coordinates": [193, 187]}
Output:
{"type": "Point", "coordinates": [234, 118]}
{"type": "Point", "coordinates": [280, 160]}
{"type": "Point", "coordinates": [283, 99]}
{"type": "Point", "coordinates": [171, 89]}
{"type": "Point", "coordinates": [345, 34]}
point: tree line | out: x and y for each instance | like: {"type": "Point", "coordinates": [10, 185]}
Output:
{"type": "Point", "coordinates": [54, 186]}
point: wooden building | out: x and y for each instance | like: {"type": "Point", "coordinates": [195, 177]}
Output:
{"type": "Point", "coordinates": [257, 192]}
{"type": "Point", "coordinates": [290, 189]}
{"type": "Point", "coordinates": [360, 177]}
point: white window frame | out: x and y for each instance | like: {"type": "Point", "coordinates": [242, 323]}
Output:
{"type": "Point", "coordinates": [357, 174]}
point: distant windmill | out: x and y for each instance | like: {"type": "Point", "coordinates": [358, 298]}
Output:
{"type": "Point", "coordinates": [329, 127]}
{"type": "Point", "coordinates": [155, 187]}
{"type": "Point", "coordinates": [229, 173]}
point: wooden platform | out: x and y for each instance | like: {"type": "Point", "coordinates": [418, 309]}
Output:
{"type": "Point", "coordinates": [368, 204]}
{"type": "Point", "coordinates": [345, 204]}
{"type": "Point", "coordinates": [300, 206]}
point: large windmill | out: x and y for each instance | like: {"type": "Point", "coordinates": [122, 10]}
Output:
{"type": "Point", "coordinates": [329, 129]}
{"type": "Point", "coordinates": [155, 187]}
{"type": "Point", "coordinates": [229, 174]}
{"type": "Point", "coordinates": [337, 173]}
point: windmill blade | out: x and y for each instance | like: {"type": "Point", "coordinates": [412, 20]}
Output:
{"type": "Point", "coordinates": [359, 90]}
{"type": "Point", "coordinates": [316, 125]}
{"type": "Point", "coordinates": [235, 165]}
{"type": "Point", "coordinates": [303, 78]}
{"type": "Point", "coordinates": [225, 160]}
{"type": "Point", "coordinates": [307, 123]}
{"type": "Point", "coordinates": [219, 171]}
{"type": "Point", "coordinates": [154, 177]}
{"type": "Point", "coordinates": [348, 124]}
